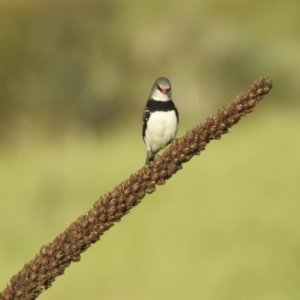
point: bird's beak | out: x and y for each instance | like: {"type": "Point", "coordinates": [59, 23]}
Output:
{"type": "Point", "coordinates": [165, 91]}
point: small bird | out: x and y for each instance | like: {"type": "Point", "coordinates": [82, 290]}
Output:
{"type": "Point", "coordinates": [160, 118]}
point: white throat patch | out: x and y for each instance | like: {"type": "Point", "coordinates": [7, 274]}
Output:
{"type": "Point", "coordinates": [159, 96]}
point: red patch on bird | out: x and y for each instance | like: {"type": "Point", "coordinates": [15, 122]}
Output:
{"type": "Point", "coordinates": [163, 90]}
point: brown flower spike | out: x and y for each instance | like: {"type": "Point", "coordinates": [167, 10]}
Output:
{"type": "Point", "coordinates": [55, 257]}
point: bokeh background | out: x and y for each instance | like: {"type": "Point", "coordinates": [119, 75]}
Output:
{"type": "Point", "coordinates": [74, 78]}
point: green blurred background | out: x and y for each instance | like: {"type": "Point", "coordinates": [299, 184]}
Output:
{"type": "Point", "coordinates": [75, 76]}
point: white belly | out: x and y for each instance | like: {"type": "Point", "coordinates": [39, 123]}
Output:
{"type": "Point", "coordinates": [161, 130]}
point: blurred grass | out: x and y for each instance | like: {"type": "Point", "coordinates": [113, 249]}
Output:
{"type": "Point", "coordinates": [83, 63]}
{"type": "Point", "coordinates": [224, 227]}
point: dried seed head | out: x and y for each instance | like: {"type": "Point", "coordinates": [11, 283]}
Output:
{"type": "Point", "coordinates": [111, 210]}
{"type": "Point", "coordinates": [150, 189]}
{"type": "Point", "coordinates": [91, 219]}
{"type": "Point", "coordinates": [174, 153]}
{"type": "Point", "coordinates": [162, 173]}
{"type": "Point", "coordinates": [105, 201]}
{"type": "Point", "coordinates": [158, 162]}
{"type": "Point", "coordinates": [212, 129]}
{"type": "Point", "coordinates": [119, 215]}
{"type": "Point", "coordinates": [114, 194]}
{"type": "Point", "coordinates": [103, 218]}
{"type": "Point", "coordinates": [54, 258]}
{"type": "Point", "coordinates": [130, 200]}
{"type": "Point", "coordinates": [222, 126]}
{"type": "Point", "coordinates": [160, 181]}
{"type": "Point", "coordinates": [146, 177]}
{"type": "Point", "coordinates": [135, 187]}
{"type": "Point", "coordinates": [59, 255]}
{"type": "Point", "coordinates": [95, 212]}
{"type": "Point", "coordinates": [154, 177]}
{"type": "Point", "coordinates": [113, 201]}
{"type": "Point", "coordinates": [127, 191]}
{"type": "Point", "coordinates": [182, 157]}
{"type": "Point", "coordinates": [141, 194]}
{"type": "Point", "coordinates": [239, 107]}
{"type": "Point", "coordinates": [133, 177]}
{"type": "Point", "coordinates": [102, 210]}
{"type": "Point", "coordinates": [186, 151]}
{"type": "Point", "coordinates": [121, 207]}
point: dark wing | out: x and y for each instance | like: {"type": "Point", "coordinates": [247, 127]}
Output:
{"type": "Point", "coordinates": [146, 117]}
{"type": "Point", "coordinates": [177, 114]}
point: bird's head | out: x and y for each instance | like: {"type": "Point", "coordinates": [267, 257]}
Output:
{"type": "Point", "coordinates": [161, 90]}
